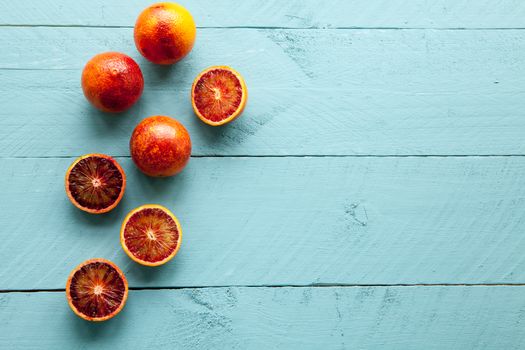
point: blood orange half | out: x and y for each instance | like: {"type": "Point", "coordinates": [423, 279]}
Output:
{"type": "Point", "coordinates": [96, 290]}
{"type": "Point", "coordinates": [218, 95]}
{"type": "Point", "coordinates": [95, 183]}
{"type": "Point", "coordinates": [151, 235]}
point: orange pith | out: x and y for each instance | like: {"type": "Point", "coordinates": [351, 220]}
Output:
{"type": "Point", "coordinates": [95, 183]}
{"type": "Point", "coordinates": [218, 95]}
{"type": "Point", "coordinates": [151, 235]}
{"type": "Point", "coordinates": [96, 290]}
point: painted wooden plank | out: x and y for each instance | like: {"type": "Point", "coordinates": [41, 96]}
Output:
{"type": "Point", "coordinates": [293, 13]}
{"type": "Point", "coordinates": [314, 92]}
{"type": "Point", "coordinates": [281, 221]}
{"type": "Point", "coordinates": [276, 318]}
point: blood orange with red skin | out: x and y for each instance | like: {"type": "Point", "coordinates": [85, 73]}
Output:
{"type": "Point", "coordinates": [151, 235]}
{"type": "Point", "coordinates": [96, 290]}
{"type": "Point", "coordinates": [218, 95]}
{"type": "Point", "coordinates": [165, 33]}
{"type": "Point", "coordinates": [95, 183]}
{"type": "Point", "coordinates": [160, 146]}
{"type": "Point", "coordinates": [112, 81]}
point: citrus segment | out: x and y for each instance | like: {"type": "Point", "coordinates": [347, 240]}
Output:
{"type": "Point", "coordinates": [96, 290]}
{"type": "Point", "coordinates": [95, 183]}
{"type": "Point", "coordinates": [218, 95]}
{"type": "Point", "coordinates": [151, 235]}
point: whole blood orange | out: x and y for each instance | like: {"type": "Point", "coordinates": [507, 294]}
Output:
{"type": "Point", "coordinates": [151, 235]}
{"type": "Point", "coordinates": [165, 33]}
{"type": "Point", "coordinates": [218, 95]}
{"type": "Point", "coordinates": [96, 290]}
{"type": "Point", "coordinates": [112, 81]}
{"type": "Point", "coordinates": [95, 183]}
{"type": "Point", "coordinates": [160, 146]}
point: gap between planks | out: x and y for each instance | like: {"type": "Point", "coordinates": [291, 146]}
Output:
{"type": "Point", "coordinates": [262, 27]}
{"type": "Point", "coordinates": [305, 156]}
{"type": "Point", "coordinates": [313, 285]}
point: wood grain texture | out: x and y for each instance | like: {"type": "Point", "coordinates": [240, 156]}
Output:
{"type": "Point", "coordinates": [318, 92]}
{"type": "Point", "coordinates": [273, 13]}
{"type": "Point", "coordinates": [277, 318]}
{"type": "Point", "coordinates": [281, 221]}
{"type": "Point", "coordinates": [283, 247]}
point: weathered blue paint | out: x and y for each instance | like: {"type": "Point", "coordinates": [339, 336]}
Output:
{"type": "Point", "coordinates": [371, 243]}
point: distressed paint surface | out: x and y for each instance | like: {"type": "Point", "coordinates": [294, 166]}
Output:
{"type": "Point", "coordinates": [277, 318]}
{"type": "Point", "coordinates": [370, 244]}
{"type": "Point", "coordinates": [278, 221]}
{"type": "Point", "coordinates": [275, 13]}
{"type": "Point", "coordinates": [318, 92]}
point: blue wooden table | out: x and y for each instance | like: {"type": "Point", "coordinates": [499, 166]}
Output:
{"type": "Point", "coordinates": [371, 196]}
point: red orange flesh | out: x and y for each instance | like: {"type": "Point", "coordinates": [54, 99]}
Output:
{"type": "Point", "coordinates": [165, 33]}
{"type": "Point", "coordinates": [218, 95]}
{"type": "Point", "coordinates": [95, 183]}
{"type": "Point", "coordinates": [112, 81]}
{"type": "Point", "coordinates": [151, 235]}
{"type": "Point", "coordinates": [96, 290]}
{"type": "Point", "coordinates": [160, 146]}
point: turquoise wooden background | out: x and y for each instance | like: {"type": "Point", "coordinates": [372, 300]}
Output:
{"type": "Point", "coordinates": [372, 195]}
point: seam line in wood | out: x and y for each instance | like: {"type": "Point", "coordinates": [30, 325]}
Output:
{"type": "Point", "coordinates": [27, 25]}
{"type": "Point", "coordinates": [301, 156]}
{"type": "Point", "coordinates": [316, 285]}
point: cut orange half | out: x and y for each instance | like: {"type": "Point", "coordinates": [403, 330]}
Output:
{"type": "Point", "coordinates": [151, 235]}
{"type": "Point", "coordinates": [96, 290]}
{"type": "Point", "coordinates": [95, 183]}
{"type": "Point", "coordinates": [218, 95]}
